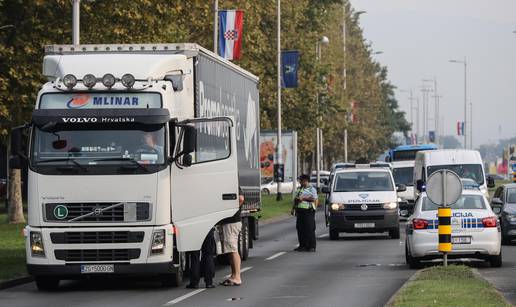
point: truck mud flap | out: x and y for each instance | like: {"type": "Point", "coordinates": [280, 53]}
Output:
{"type": "Point", "coordinates": [254, 230]}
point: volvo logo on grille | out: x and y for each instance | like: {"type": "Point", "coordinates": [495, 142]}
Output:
{"type": "Point", "coordinates": [97, 211]}
{"type": "Point", "coordinates": [363, 207]}
{"type": "Point", "coordinates": [363, 196]}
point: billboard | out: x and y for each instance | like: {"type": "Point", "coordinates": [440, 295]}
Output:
{"type": "Point", "coordinates": [268, 139]}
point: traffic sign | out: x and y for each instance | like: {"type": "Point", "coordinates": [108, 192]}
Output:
{"type": "Point", "coordinates": [444, 187]}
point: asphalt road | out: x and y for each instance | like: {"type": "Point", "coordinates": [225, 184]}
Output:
{"type": "Point", "coordinates": [504, 278]}
{"type": "Point", "coordinates": [357, 270]}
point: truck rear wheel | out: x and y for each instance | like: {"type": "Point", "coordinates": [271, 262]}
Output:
{"type": "Point", "coordinates": [47, 283]}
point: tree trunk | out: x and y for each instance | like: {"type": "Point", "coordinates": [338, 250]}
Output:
{"type": "Point", "coordinates": [15, 198]}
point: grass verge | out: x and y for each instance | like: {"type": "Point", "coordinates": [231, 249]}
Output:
{"type": "Point", "coordinates": [12, 250]}
{"type": "Point", "coordinates": [272, 208]}
{"type": "Point", "coordinates": [455, 285]}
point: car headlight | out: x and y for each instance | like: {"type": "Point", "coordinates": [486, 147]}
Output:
{"type": "Point", "coordinates": [511, 217]}
{"type": "Point", "coordinates": [158, 241]}
{"type": "Point", "coordinates": [36, 244]}
{"type": "Point", "coordinates": [392, 205]}
{"type": "Point", "coordinates": [336, 207]}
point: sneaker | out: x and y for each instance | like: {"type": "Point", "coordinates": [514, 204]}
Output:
{"type": "Point", "coordinates": [300, 249]}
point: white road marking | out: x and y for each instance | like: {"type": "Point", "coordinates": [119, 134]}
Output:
{"type": "Point", "coordinates": [184, 297]}
{"type": "Point", "coordinates": [323, 235]}
{"type": "Point", "coordinates": [190, 294]}
{"type": "Point", "coordinates": [275, 256]}
{"type": "Point", "coordinates": [241, 271]}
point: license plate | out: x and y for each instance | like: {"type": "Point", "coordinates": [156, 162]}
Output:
{"type": "Point", "coordinates": [461, 240]}
{"type": "Point", "coordinates": [364, 225]}
{"type": "Point", "coordinates": [97, 268]}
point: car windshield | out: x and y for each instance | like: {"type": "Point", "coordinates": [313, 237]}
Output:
{"type": "Point", "coordinates": [114, 145]}
{"type": "Point", "coordinates": [363, 181]}
{"type": "Point", "coordinates": [471, 171]}
{"type": "Point", "coordinates": [511, 196]}
{"type": "Point", "coordinates": [465, 202]}
{"type": "Point", "coordinates": [403, 175]}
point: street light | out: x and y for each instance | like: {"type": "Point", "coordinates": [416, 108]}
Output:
{"type": "Point", "coordinates": [323, 41]}
{"type": "Point", "coordinates": [465, 63]}
{"type": "Point", "coordinates": [411, 100]}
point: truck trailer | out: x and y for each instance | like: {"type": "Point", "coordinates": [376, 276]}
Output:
{"type": "Point", "coordinates": [135, 152]}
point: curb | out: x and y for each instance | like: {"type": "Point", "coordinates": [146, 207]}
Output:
{"type": "Point", "coordinates": [15, 282]}
{"type": "Point", "coordinates": [390, 302]}
{"type": "Point", "coordinates": [500, 294]}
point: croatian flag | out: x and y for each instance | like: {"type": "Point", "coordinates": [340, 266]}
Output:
{"type": "Point", "coordinates": [230, 34]}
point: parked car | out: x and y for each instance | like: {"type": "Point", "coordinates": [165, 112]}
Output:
{"type": "Point", "coordinates": [475, 231]}
{"type": "Point", "coordinates": [271, 187]}
{"type": "Point", "coordinates": [504, 204]}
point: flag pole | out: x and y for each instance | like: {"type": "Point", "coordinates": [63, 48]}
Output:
{"type": "Point", "coordinates": [278, 144]}
{"type": "Point", "coordinates": [215, 25]}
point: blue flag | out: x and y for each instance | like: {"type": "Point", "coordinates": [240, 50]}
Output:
{"type": "Point", "coordinates": [289, 67]}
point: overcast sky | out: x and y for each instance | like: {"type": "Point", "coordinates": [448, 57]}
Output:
{"type": "Point", "coordinates": [419, 37]}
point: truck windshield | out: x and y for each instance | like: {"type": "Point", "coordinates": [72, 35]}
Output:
{"type": "Point", "coordinates": [465, 202]}
{"type": "Point", "coordinates": [135, 146]}
{"type": "Point", "coordinates": [403, 175]}
{"type": "Point", "coordinates": [471, 171]}
{"type": "Point", "coordinates": [363, 181]}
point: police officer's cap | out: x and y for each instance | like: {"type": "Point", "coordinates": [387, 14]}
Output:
{"type": "Point", "coordinates": [303, 177]}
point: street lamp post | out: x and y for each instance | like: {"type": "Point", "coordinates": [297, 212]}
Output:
{"type": "Point", "coordinates": [279, 154]}
{"type": "Point", "coordinates": [76, 22]}
{"type": "Point", "coordinates": [465, 63]}
{"type": "Point", "coordinates": [324, 41]}
{"type": "Point", "coordinates": [411, 110]}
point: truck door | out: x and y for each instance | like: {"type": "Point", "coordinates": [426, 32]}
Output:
{"type": "Point", "coordinates": [205, 192]}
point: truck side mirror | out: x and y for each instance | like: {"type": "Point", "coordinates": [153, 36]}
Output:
{"type": "Point", "coordinates": [325, 190]}
{"type": "Point", "coordinates": [15, 162]}
{"type": "Point", "coordinates": [16, 141]}
{"type": "Point", "coordinates": [189, 140]}
{"type": "Point", "coordinates": [490, 182]}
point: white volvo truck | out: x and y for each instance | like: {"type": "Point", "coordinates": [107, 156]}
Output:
{"type": "Point", "coordinates": [135, 152]}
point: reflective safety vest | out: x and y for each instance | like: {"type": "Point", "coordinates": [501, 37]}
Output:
{"type": "Point", "coordinates": [305, 204]}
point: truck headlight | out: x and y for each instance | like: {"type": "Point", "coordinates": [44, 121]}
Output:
{"type": "Point", "coordinates": [158, 241]}
{"type": "Point", "coordinates": [336, 207]}
{"type": "Point", "coordinates": [36, 244]}
{"type": "Point", "coordinates": [390, 206]}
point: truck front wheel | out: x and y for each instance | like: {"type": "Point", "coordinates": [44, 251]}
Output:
{"type": "Point", "coordinates": [47, 283]}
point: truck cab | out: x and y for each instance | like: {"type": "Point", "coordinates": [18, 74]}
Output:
{"type": "Point", "coordinates": [133, 158]}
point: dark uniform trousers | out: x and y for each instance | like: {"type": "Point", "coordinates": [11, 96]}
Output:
{"type": "Point", "coordinates": [206, 266]}
{"type": "Point", "coordinates": [305, 225]}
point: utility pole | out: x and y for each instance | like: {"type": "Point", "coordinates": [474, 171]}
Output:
{"type": "Point", "coordinates": [344, 12]}
{"type": "Point", "coordinates": [279, 154]}
{"type": "Point", "coordinates": [76, 15]}
{"type": "Point", "coordinates": [215, 25]}
{"type": "Point", "coordinates": [471, 125]}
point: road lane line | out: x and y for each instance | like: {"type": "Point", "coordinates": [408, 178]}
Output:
{"type": "Point", "coordinates": [323, 235]}
{"type": "Point", "coordinates": [275, 256]}
{"type": "Point", "coordinates": [184, 297]}
{"type": "Point", "coordinates": [241, 271]}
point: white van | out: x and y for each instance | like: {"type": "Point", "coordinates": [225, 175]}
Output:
{"type": "Point", "coordinates": [466, 163]}
{"type": "Point", "coordinates": [403, 173]}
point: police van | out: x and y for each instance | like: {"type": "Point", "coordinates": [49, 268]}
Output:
{"type": "Point", "coordinates": [363, 199]}
{"type": "Point", "coordinates": [475, 230]}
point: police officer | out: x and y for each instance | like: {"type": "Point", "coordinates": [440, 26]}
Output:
{"type": "Point", "coordinates": [304, 207]}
